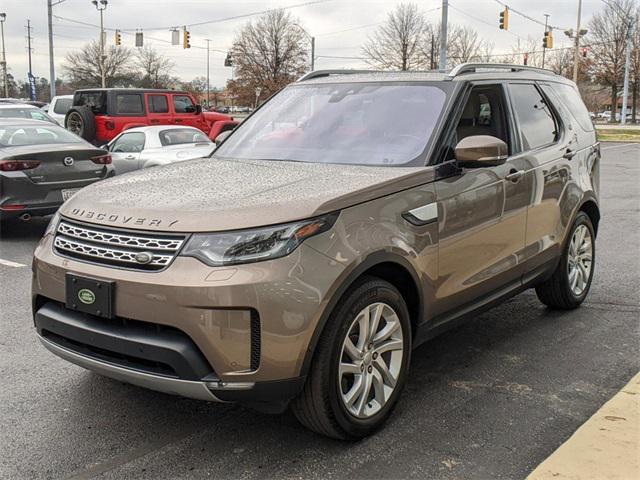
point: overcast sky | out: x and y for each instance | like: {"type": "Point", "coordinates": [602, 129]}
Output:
{"type": "Point", "coordinates": [340, 27]}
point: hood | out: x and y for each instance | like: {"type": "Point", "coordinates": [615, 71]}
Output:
{"type": "Point", "coordinates": [213, 195]}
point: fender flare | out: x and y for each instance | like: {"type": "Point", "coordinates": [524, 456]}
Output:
{"type": "Point", "coordinates": [129, 126]}
{"type": "Point", "coordinates": [346, 281]}
{"type": "Point", "coordinates": [220, 126]}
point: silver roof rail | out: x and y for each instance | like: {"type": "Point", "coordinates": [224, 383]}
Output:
{"type": "Point", "coordinates": [326, 73]}
{"type": "Point", "coordinates": [473, 67]}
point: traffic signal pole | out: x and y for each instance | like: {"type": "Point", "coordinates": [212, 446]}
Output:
{"type": "Point", "coordinates": [576, 48]}
{"type": "Point", "coordinates": [52, 69]}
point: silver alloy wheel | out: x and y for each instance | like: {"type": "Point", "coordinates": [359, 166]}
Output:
{"type": "Point", "coordinates": [370, 360]}
{"type": "Point", "coordinates": [580, 259]}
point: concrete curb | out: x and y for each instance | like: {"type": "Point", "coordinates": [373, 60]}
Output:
{"type": "Point", "coordinates": [606, 446]}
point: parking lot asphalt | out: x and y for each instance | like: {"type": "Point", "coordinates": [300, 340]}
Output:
{"type": "Point", "coordinates": [490, 399]}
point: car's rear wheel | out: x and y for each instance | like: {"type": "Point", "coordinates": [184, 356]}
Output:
{"type": "Point", "coordinates": [82, 122]}
{"type": "Point", "coordinates": [360, 365]}
{"type": "Point", "coordinates": [570, 283]}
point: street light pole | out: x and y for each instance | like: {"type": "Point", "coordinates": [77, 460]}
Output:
{"type": "Point", "coordinates": [101, 5]}
{"type": "Point", "coordinates": [3, 17]}
{"type": "Point", "coordinates": [625, 88]}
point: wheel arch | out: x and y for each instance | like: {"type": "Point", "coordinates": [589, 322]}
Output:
{"type": "Point", "coordinates": [590, 207]}
{"type": "Point", "coordinates": [387, 266]}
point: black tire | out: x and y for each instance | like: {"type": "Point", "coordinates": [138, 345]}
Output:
{"type": "Point", "coordinates": [82, 122]}
{"type": "Point", "coordinates": [556, 292]}
{"type": "Point", "coordinates": [320, 407]}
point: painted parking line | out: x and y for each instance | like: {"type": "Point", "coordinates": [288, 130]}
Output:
{"type": "Point", "coordinates": [9, 263]}
{"type": "Point", "coordinates": [606, 446]}
{"type": "Point", "coordinates": [606, 148]}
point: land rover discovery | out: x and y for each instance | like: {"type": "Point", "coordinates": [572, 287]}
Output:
{"type": "Point", "coordinates": [348, 220]}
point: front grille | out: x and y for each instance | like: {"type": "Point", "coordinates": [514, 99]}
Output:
{"type": "Point", "coordinates": [115, 247]}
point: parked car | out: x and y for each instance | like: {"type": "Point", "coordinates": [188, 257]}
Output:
{"type": "Point", "coordinates": [144, 147]}
{"type": "Point", "coordinates": [42, 165]}
{"type": "Point", "coordinates": [350, 219]}
{"type": "Point", "coordinates": [21, 110]}
{"type": "Point", "coordinates": [33, 103]}
{"type": "Point", "coordinates": [58, 108]}
{"type": "Point", "coordinates": [99, 115]}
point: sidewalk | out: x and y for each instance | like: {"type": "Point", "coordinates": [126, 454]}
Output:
{"type": "Point", "coordinates": [607, 446]}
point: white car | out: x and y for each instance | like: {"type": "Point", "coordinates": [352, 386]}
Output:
{"type": "Point", "coordinates": [23, 110]}
{"type": "Point", "coordinates": [143, 147]}
{"type": "Point", "coordinates": [58, 108]}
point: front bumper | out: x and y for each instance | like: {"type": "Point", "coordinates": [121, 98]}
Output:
{"type": "Point", "coordinates": [215, 308]}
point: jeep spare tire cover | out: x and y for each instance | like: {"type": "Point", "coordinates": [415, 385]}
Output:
{"type": "Point", "coordinates": [82, 122]}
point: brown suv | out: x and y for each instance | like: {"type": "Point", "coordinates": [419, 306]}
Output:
{"type": "Point", "coordinates": [345, 222]}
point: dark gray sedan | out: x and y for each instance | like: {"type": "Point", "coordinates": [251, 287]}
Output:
{"type": "Point", "coordinates": [42, 165]}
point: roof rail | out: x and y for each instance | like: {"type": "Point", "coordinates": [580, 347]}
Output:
{"type": "Point", "coordinates": [473, 67]}
{"type": "Point", "coordinates": [326, 73]}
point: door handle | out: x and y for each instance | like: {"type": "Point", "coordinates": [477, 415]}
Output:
{"type": "Point", "coordinates": [178, 120]}
{"type": "Point", "coordinates": [155, 121]}
{"type": "Point", "coordinates": [514, 175]}
{"type": "Point", "coordinates": [568, 154]}
{"type": "Point", "coordinates": [130, 157]}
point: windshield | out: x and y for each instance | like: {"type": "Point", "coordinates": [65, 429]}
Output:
{"type": "Point", "coordinates": [358, 123]}
{"type": "Point", "coordinates": [28, 135]}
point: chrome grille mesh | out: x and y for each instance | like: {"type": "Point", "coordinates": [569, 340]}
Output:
{"type": "Point", "coordinates": [109, 247]}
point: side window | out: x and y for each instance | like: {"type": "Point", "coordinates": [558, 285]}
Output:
{"type": "Point", "coordinates": [129, 143]}
{"type": "Point", "coordinates": [62, 106]}
{"type": "Point", "coordinates": [129, 103]}
{"type": "Point", "coordinates": [158, 104]}
{"type": "Point", "coordinates": [538, 125]}
{"type": "Point", "coordinates": [572, 100]}
{"type": "Point", "coordinates": [37, 115]}
{"type": "Point", "coordinates": [183, 104]}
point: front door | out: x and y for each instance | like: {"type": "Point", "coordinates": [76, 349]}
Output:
{"type": "Point", "coordinates": [125, 151]}
{"type": "Point", "coordinates": [482, 213]}
{"type": "Point", "coordinates": [185, 112]}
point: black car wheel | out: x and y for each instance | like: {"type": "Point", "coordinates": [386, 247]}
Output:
{"type": "Point", "coordinates": [82, 122]}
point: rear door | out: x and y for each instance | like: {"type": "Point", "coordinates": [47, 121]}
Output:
{"type": "Point", "coordinates": [125, 151]}
{"type": "Point", "coordinates": [544, 142]}
{"type": "Point", "coordinates": [158, 109]}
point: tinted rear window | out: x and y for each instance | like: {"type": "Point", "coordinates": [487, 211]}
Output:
{"type": "Point", "coordinates": [537, 123]}
{"type": "Point", "coordinates": [96, 100]}
{"type": "Point", "coordinates": [62, 105]}
{"type": "Point", "coordinates": [129, 103]}
{"type": "Point", "coordinates": [571, 98]}
{"type": "Point", "coordinates": [158, 104]}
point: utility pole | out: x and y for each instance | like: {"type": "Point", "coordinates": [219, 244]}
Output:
{"type": "Point", "coordinates": [544, 48]}
{"type": "Point", "coordinates": [432, 63]}
{"type": "Point", "coordinates": [3, 17]}
{"type": "Point", "coordinates": [627, 68]}
{"type": "Point", "coordinates": [52, 68]}
{"type": "Point", "coordinates": [101, 5]}
{"type": "Point", "coordinates": [313, 53]}
{"type": "Point", "coordinates": [576, 48]}
{"type": "Point", "coordinates": [29, 49]}
{"type": "Point", "coordinates": [208, 100]}
{"type": "Point", "coordinates": [443, 36]}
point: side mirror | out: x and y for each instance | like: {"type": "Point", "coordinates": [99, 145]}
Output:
{"type": "Point", "coordinates": [198, 109]}
{"type": "Point", "coordinates": [481, 151]}
{"type": "Point", "coordinates": [221, 138]}
{"type": "Point", "coordinates": [104, 147]}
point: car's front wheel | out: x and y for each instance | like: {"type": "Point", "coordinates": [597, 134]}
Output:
{"type": "Point", "coordinates": [360, 365]}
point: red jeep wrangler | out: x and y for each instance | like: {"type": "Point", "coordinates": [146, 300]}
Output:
{"type": "Point", "coordinates": [99, 114]}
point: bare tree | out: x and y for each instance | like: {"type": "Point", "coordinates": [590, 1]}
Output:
{"type": "Point", "coordinates": [608, 31]}
{"type": "Point", "coordinates": [398, 43]}
{"type": "Point", "coordinates": [560, 61]}
{"type": "Point", "coordinates": [83, 67]}
{"type": "Point", "coordinates": [465, 45]}
{"type": "Point", "coordinates": [155, 69]}
{"type": "Point", "coordinates": [268, 53]}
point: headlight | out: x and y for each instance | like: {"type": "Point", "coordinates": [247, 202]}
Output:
{"type": "Point", "coordinates": [255, 245]}
{"type": "Point", "coordinates": [53, 224]}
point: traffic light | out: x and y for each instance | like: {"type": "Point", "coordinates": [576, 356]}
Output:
{"type": "Point", "coordinates": [118, 38]}
{"type": "Point", "coordinates": [584, 52]}
{"type": "Point", "coordinates": [526, 59]}
{"type": "Point", "coordinates": [228, 61]}
{"type": "Point", "coordinates": [547, 41]}
{"type": "Point", "coordinates": [186, 39]}
{"type": "Point", "coordinates": [504, 19]}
